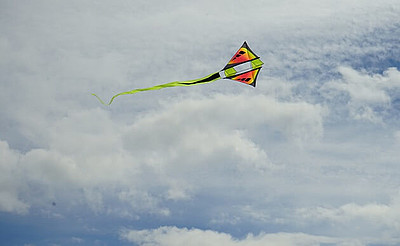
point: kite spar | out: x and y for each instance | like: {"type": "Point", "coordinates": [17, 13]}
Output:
{"type": "Point", "coordinates": [244, 67]}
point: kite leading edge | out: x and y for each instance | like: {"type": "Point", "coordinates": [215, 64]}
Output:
{"type": "Point", "coordinates": [244, 67]}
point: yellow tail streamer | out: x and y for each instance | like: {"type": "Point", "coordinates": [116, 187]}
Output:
{"type": "Point", "coordinates": [210, 78]}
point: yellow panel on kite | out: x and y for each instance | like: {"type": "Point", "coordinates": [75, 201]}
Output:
{"type": "Point", "coordinates": [256, 63]}
{"type": "Point", "coordinates": [229, 72]}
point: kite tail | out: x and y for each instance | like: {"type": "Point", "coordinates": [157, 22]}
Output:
{"type": "Point", "coordinates": [102, 102]}
{"type": "Point", "coordinates": [210, 78]}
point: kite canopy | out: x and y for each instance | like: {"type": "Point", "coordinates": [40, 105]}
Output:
{"type": "Point", "coordinates": [244, 67]}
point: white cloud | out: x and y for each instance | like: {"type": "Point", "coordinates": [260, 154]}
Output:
{"type": "Point", "coordinates": [168, 236]}
{"type": "Point", "coordinates": [77, 240]}
{"type": "Point", "coordinates": [162, 155]}
{"type": "Point", "coordinates": [362, 87]}
{"type": "Point", "coordinates": [297, 121]}
{"type": "Point", "coordinates": [368, 94]}
{"type": "Point", "coordinates": [377, 220]}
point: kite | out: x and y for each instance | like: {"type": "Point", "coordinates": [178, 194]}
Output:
{"type": "Point", "coordinates": [244, 67]}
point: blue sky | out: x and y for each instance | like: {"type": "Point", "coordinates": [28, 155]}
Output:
{"type": "Point", "coordinates": [308, 157]}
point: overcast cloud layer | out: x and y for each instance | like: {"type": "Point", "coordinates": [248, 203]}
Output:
{"type": "Point", "coordinates": [308, 157]}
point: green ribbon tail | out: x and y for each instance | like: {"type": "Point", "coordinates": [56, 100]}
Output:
{"type": "Point", "coordinates": [102, 102]}
{"type": "Point", "coordinates": [210, 78]}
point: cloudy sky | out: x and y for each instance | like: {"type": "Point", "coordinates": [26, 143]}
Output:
{"type": "Point", "coordinates": [308, 157]}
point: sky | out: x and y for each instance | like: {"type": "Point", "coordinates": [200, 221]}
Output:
{"type": "Point", "coordinates": [307, 157]}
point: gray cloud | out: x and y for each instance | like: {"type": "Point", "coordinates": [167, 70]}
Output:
{"type": "Point", "coordinates": [10, 182]}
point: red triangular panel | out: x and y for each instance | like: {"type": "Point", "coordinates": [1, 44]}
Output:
{"type": "Point", "coordinates": [247, 77]}
{"type": "Point", "coordinates": [244, 54]}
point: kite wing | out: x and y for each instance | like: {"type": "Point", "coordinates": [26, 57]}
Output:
{"type": "Point", "coordinates": [248, 77]}
{"type": "Point", "coordinates": [244, 67]}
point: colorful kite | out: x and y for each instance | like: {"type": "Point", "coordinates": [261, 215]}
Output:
{"type": "Point", "coordinates": [244, 67]}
